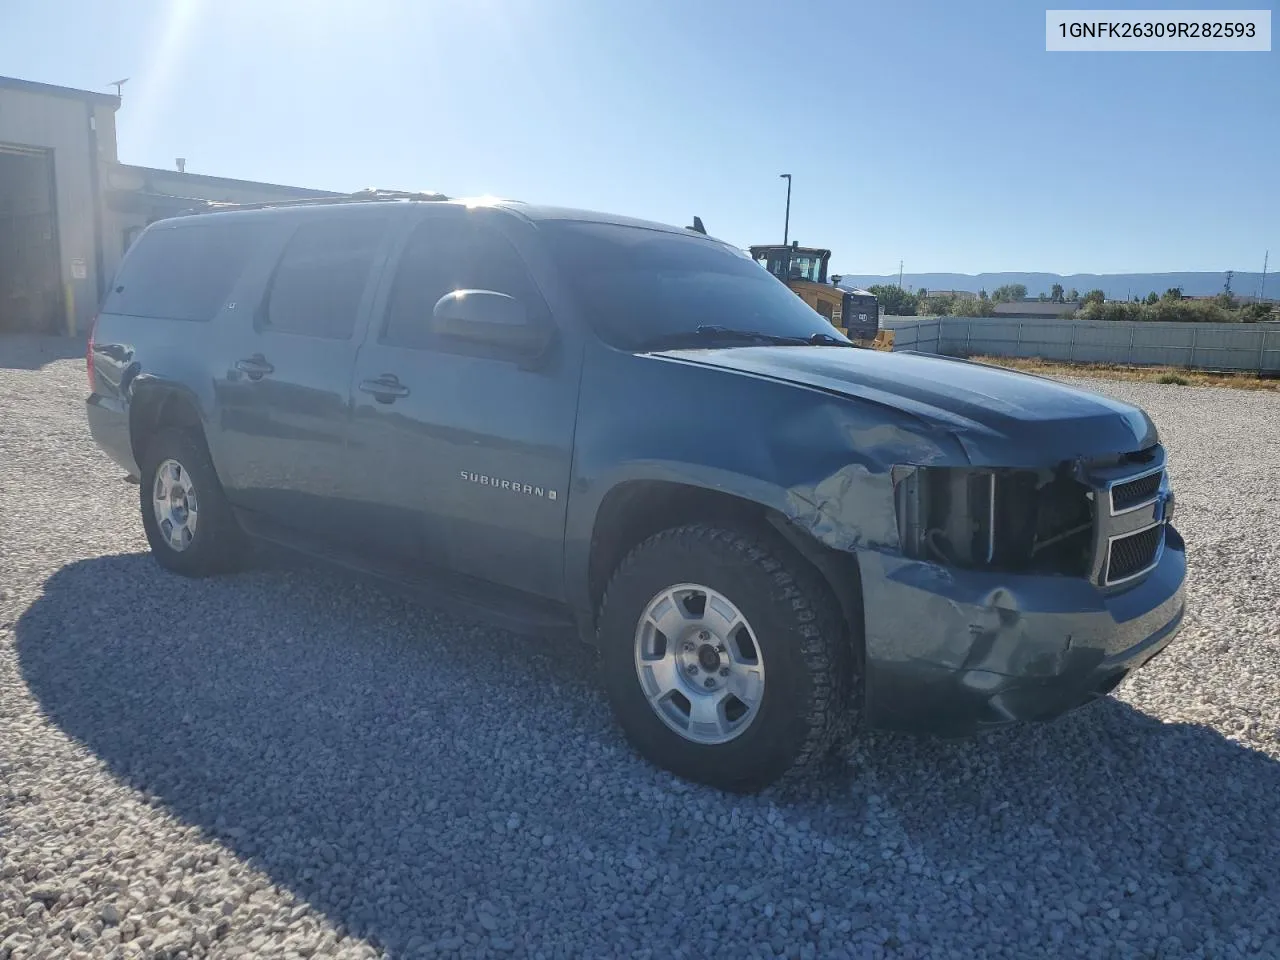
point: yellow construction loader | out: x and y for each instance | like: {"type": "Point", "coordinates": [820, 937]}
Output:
{"type": "Point", "coordinates": [856, 313]}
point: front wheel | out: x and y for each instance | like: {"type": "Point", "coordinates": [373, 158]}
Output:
{"type": "Point", "coordinates": [723, 664]}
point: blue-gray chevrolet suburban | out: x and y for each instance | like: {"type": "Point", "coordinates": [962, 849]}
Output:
{"type": "Point", "coordinates": [566, 421]}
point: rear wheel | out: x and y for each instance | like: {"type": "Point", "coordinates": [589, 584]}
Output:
{"type": "Point", "coordinates": [724, 664]}
{"type": "Point", "coordinates": [185, 514]}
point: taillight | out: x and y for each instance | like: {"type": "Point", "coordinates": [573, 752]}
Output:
{"type": "Point", "coordinates": [88, 357]}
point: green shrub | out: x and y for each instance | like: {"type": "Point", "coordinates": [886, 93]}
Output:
{"type": "Point", "coordinates": [1172, 378]}
{"type": "Point", "coordinates": [1116, 310]}
{"type": "Point", "coordinates": [1164, 310]}
{"type": "Point", "coordinates": [1191, 311]}
{"type": "Point", "coordinates": [894, 301]}
{"type": "Point", "coordinates": [971, 307]}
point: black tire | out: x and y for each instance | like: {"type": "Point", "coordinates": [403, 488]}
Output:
{"type": "Point", "coordinates": [800, 632]}
{"type": "Point", "coordinates": [217, 545]}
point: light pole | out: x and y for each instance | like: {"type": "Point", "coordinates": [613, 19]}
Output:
{"type": "Point", "coordinates": [786, 224]}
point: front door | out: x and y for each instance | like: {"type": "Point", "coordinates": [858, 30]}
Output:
{"type": "Point", "coordinates": [466, 453]}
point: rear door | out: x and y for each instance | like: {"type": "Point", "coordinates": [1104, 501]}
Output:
{"type": "Point", "coordinates": [285, 410]}
{"type": "Point", "coordinates": [465, 452]}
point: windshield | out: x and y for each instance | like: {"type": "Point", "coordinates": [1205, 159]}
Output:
{"type": "Point", "coordinates": [788, 265]}
{"type": "Point", "coordinates": [637, 286]}
{"type": "Point", "coordinates": [805, 267]}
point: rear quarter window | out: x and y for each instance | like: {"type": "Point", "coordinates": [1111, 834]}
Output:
{"type": "Point", "coordinates": [182, 273]}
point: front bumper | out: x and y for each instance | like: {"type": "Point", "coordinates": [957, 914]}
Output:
{"type": "Point", "coordinates": [952, 651]}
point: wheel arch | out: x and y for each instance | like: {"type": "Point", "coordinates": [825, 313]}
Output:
{"type": "Point", "coordinates": [155, 405]}
{"type": "Point", "coordinates": [635, 510]}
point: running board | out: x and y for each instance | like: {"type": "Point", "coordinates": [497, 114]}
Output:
{"type": "Point", "coordinates": [465, 597]}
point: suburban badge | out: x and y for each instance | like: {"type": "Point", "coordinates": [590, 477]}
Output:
{"type": "Point", "coordinates": [525, 489]}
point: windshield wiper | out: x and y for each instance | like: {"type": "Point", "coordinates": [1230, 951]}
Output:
{"type": "Point", "coordinates": [713, 334]}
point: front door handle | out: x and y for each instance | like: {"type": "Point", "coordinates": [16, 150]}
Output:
{"type": "Point", "coordinates": [255, 367]}
{"type": "Point", "coordinates": [385, 389]}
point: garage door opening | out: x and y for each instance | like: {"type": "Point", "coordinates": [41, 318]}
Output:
{"type": "Point", "coordinates": [31, 296]}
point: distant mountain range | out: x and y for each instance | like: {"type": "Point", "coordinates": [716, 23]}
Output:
{"type": "Point", "coordinates": [1117, 286]}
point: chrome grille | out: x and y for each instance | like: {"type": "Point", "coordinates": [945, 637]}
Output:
{"type": "Point", "coordinates": [1132, 555]}
{"type": "Point", "coordinates": [1138, 492]}
{"type": "Point", "coordinates": [1131, 497]}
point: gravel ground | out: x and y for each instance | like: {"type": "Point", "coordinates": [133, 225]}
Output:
{"type": "Point", "coordinates": [284, 764]}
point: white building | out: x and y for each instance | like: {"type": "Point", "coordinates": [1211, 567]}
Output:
{"type": "Point", "coordinates": [69, 209]}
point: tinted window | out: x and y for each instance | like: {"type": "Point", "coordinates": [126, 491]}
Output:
{"type": "Point", "coordinates": [321, 278]}
{"type": "Point", "coordinates": [806, 268]}
{"type": "Point", "coordinates": [636, 285]}
{"type": "Point", "coordinates": [182, 273]}
{"type": "Point", "coordinates": [443, 256]}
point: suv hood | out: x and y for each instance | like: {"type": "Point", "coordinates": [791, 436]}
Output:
{"type": "Point", "coordinates": [1000, 416]}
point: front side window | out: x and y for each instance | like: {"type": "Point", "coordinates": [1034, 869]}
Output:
{"type": "Point", "coordinates": [321, 278]}
{"type": "Point", "coordinates": [445, 255]}
{"type": "Point", "coordinates": [637, 285]}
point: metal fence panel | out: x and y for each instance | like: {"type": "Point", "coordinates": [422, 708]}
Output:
{"type": "Point", "coordinates": [1056, 336]}
{"type": "Point", "coordinates": [1214, 346]}
{"type": "Point", "coordinates": [1231, 349]}
{"type": "Point", "coordinates": [1269, 347]}
{"type": "Point", "coordinates": [1101, 343]}
{"type": "Point", "coordinates": [929, 335]}
{"type": "Point", "coordinates": [906, 333]}
{"type": "Point", "coordinates": [1171, 344]}
{"type": "Point", "coordinates": [912, 334]}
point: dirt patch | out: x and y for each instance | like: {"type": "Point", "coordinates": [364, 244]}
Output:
{"type": "Point", "coordinates": [1172, 375]}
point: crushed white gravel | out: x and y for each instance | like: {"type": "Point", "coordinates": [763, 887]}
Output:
{"type": "Point", "coordinates": [285, 764]}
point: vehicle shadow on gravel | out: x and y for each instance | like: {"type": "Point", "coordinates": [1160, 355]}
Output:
{"type": "Point", "coordinates": [22, 351]}
{"type": "Point", "coordinates": [420, 780]}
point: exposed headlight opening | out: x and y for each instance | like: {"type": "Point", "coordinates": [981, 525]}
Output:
{"type": "Point", "coordinates": [1019, 521]}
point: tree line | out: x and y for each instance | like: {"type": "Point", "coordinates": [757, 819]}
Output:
{"type": "Point", "coordinates": [1169, 306]}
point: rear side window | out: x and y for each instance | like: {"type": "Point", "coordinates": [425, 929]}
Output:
{"type": "Point", "coordinates": [183, 273]}
{"type": "Point", "coordinates": [321, 278]}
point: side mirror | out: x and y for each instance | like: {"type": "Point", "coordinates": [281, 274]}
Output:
{"type": "Point", "coordinates": [487, 317]}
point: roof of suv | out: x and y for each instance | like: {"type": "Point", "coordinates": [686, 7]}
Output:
{"type": "Point", "coordinates": [530, 212]}
{"type": "Point", "coordinates": [539, 212]}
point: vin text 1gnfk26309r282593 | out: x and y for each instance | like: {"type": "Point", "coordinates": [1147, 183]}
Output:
{"type": "Point", "coordinates": [562, 419]}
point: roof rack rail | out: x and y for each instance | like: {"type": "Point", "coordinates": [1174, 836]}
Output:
{"type": "Point", "coordinates": [368, 195]}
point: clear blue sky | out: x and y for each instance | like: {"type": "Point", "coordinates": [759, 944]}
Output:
{"type": "Point", "coordinates": [940, 133]}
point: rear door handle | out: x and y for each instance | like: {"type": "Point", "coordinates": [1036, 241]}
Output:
{"type": "Point", "coordinates": [386, 389]}
{"type": "Point", "coordinates": [255, 367]}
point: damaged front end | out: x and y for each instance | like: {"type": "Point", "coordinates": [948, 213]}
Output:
{"type": "Point", "coordinates": [1023, 521]}
{"type": "Point", "coordinates": [1019, 593]}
